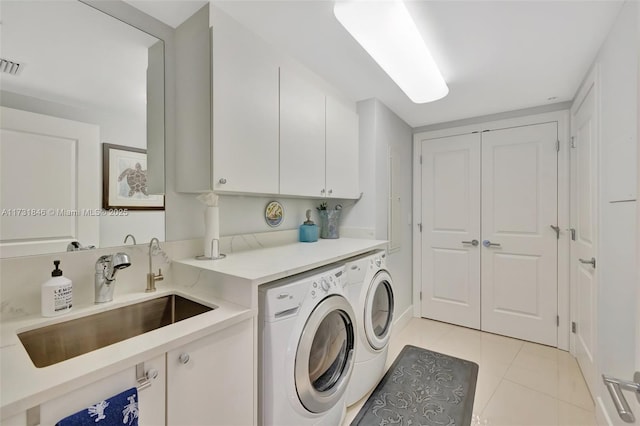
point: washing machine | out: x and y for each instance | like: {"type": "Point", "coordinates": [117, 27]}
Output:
{"type": "Point", "coordinates": [370, 291]}
{"type": "Point", "coordinates": [307, 341]}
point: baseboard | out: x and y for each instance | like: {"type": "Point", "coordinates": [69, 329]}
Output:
{"type": "Point", "coordinates": [403, 319]}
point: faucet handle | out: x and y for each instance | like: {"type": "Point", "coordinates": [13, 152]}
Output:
{"type": "Point", "coordinates": [159, 277]}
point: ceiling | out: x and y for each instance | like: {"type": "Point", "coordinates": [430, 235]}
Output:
{"type": "Point", "coordinates": [171, 12]}
{"type": "Point", "coordinates": [495, 56]}
{"type": "Point", "coordinates": [82, 58]}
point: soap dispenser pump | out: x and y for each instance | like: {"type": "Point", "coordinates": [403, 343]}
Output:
{"type": "Point", "coordinates": [57, 293]}
{"type": "Point", "coordinates": [308, 230]}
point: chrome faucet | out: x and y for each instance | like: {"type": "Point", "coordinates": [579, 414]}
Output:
{"type": "Point", "coordinates": [132, 238]}
{"type": "Point", "coordinates": [151, 277]}
{"type": "Point", "coordinates": [106, 268]}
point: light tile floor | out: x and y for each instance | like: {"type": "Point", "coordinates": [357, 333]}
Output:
{"type": "Point", "coordinates": [519, 383]}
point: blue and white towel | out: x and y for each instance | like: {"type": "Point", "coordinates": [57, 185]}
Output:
{"type": "Point", "coordinates": [121, 409]}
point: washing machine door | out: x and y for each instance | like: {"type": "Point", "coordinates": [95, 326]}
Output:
{"type": "Point", "coordinates": [378, 311]}
{"type": "Point", "coordinates": [324, 358]}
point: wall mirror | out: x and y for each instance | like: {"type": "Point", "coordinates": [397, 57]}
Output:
{"type": "Point", "coordinates": [74, 78]}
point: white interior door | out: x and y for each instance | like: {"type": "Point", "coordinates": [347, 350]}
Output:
{"type": "Point", "coordinates": [42, 212]}
{"type": "Point", "coordinates": [584, 201]}
{"type": "Point", "coordinates": [520, 248]}
{"type": "Point", "coordinates": [451, 221]}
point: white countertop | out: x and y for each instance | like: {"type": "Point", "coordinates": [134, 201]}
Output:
{"type": "Point", "coordinates": [23, 385]}
{"type": "Point", "coordinates": [269, 264]}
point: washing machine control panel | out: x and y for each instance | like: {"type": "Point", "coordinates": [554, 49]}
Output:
{"type": "Point", "coordinates": [322, 284]}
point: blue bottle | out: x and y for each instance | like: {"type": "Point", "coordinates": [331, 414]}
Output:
{"type": "Point", "coordinates": [308, 230]}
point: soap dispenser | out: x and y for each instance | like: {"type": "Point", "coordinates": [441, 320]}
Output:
{"type": "Point", "coordinates": [308, 230]}
{"type": "Point", "coordinates": [57, 293]}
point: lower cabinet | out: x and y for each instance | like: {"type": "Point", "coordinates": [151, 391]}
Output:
{"type": "Point", "coordinates": [151, 399]}
{"type": "Point", "coordinates": [211, 381]}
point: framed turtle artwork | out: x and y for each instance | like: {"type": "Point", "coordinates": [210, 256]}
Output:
{"type": "Point", "coordinates": [124, 179]}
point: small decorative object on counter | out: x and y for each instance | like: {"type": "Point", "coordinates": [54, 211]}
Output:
{"type": "Point", "coordinates": [329, 221]}
{"type": "Point", "coordinates": [308, 230]}
{"type": "Point", "coordinates": [57, 293]}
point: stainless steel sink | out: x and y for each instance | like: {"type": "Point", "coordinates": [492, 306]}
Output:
{"type": "Point", "coordinates": [55, 343]}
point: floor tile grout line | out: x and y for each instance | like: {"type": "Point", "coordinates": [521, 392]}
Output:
{"type": "Point", "coordinates": [491, 397]}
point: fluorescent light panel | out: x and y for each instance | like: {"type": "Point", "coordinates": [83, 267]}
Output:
{"type": "Point", "coordinates": [387, 32]}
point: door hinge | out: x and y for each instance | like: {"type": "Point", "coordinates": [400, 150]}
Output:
{"type": "Point", "coordinates": [419, 227]}
{"type": "Point", "coordinates": [557, 146]}
{"type": "Point", "coordinates": [573, 141]}
{"type": "Point", "coordinates": [421, 159]}
{"type": "Point", "coordinates": [421, 296]}
{"type": "Point", "coordinates": [574, 327]}
{"type": "Point", "coordinates": [558, 320]}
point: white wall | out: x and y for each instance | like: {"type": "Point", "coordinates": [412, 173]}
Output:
{"type": "Point", "coordinates": [617, 320]}
{"type": "Point", "coordinates": [381, 130]}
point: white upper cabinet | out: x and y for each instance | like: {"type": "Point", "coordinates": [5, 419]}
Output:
{"type": "Point", "coordinates": [318, 141]}
{"type": "Point", "coordinates": [277, 128]}
{"type": "Point", "coordinates": [302, 136]}
{"type": "Point", "coordinates": [245, 111]}
{"type": "Point", "coordinates": [342, 150]}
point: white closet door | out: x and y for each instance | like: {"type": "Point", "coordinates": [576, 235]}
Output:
{"type": "Point", "coordinates": [519, 205]}
{"type": "Point", "coordinates": [451, 216]}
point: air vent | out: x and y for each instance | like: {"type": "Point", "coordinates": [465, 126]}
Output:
{"type": "Point", "coordinates": [9, 67]}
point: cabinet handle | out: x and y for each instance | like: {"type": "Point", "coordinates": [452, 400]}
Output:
{"type": "Point", "coordinates": [330, 191]}
{"type": "Point", "coordinates": [322, 191]}
{"type": "Point", "coordinates": [152, 374]}
{"type": "Point", "coordinates": [222, 181]}
{"type": "Point", "coordinates": [184, 358]}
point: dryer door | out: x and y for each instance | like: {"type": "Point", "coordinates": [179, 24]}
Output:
{"type": "Point", "coordinates": [324, 358]}
{"type": "Point", "coordinates": [378, 311]}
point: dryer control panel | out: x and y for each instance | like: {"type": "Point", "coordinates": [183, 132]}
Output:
{"type": "Point", "coordinates": [284, 297]}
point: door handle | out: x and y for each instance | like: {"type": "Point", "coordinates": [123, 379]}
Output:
{"type": "Point", "coordinates": [472, 242]}
{"type": "Point", "coordinates": [591, 262]}
{"type": "Point", "coordinates": [488, 243]}
{"type": "Point", "coordinates": [615, 386]}
{"type": "Point", "coordinates": [557, 229]}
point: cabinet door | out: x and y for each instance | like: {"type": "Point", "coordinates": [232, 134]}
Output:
{"type": "Point", "coordinates": [302, 136]}
{"type": "Point", "coordinates": [211, 381]}
{"type": "Point", "coordinates": [151, 401]}
{"type": "Point", "coordinates": [245, 110]}
{"type": "Point", "coordinates": [342, 156]}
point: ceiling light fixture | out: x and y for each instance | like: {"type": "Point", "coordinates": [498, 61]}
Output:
{"type": "Point", "coordinates": [388, 33]}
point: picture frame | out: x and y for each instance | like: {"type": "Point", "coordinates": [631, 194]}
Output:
{"type": "Point", "coordinates": [124, 179]}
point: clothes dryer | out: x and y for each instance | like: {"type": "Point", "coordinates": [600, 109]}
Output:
{"type": "Point", "coordinates": [307, 343]}
{"type": "Point", "coordinates": [370, 291]}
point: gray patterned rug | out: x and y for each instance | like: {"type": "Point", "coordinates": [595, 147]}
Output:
{"type": "Point", "coordinates": [422, 388]}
